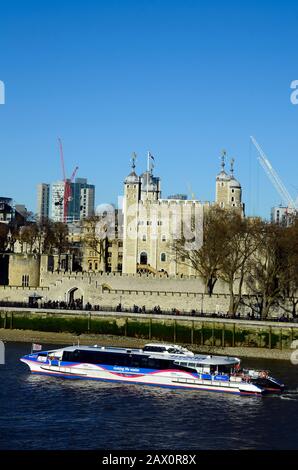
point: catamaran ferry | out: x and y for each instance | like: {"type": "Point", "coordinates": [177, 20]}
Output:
{"type": "Point", "coordinates": [157, 364]}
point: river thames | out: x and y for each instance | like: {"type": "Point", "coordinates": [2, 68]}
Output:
{"type": "Point", "coordinates": [46, 413]}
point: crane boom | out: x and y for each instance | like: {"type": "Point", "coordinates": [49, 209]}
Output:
{"type": "Point", "coordinates": [74, 174]}
{"type": "Point", "coordinates": [62, 159]}
{"type": "Point", "coordinates": [275, 179]}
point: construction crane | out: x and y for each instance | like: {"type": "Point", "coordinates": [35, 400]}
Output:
{"type": "Point", "coordinates": [67, 196]}
{"type": "Point", "coordinates": [275, 179]}
{"type": "Point", "coordinates": [190, 191]}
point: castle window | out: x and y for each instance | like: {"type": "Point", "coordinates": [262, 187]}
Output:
{"type": "Point", "coordinates": [143, 258]}
{"type": "Point", "coordinates": [233, 190]}
{"type": "Point", "coordinates": [144, 238]}
{"type": "Point", "coordinates": [222, 204]}
{"type": "Point", "coordinates": [163, 257]}
{"type": "Point", "coordinates": [90, 265]}
{"type": "Point", "coordinates": [232, 199]}
{"type": "Point", "coordinates": [25, 280]}
{"type": "Point", "coordinates": [163, 238]}
{"type": "Point", "coordinates": [96, 266]}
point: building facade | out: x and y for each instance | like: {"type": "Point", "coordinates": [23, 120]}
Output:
{"type": "Point", "coordinates": [152, 224]}
{"type": "Point", "coordinates": [43, 201]}
{"type": "Point", "coordinates": [57, 198]}
{"type": "Point", "coordinates": [282, 215]}
{"type": "Point", "coordinates": [228, 189]}
{"type": "Point", "coordinates": [80, 204]}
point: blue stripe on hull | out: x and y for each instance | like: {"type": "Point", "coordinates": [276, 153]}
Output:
{"type": "Point", "coordinates": [77, 377]}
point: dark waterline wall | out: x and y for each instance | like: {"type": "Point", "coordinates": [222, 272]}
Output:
{"type": "Point", "coordinates": [192, 331]}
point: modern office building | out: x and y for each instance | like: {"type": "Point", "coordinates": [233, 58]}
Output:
{"type": "Point", "coordinates": [282, 215]}
{"type": "Point", "coordinates": [87, 199]}
{"type": "Point", "coordinates": [57, 198]}
{"type": "Point", "coordinates": [43, 201]}
{"type": "Point", "coordinates": [11, 214]}
{"type": "Point", "coordinates": [80, 204]}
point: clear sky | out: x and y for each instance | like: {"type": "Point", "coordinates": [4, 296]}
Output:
{"type": "Point", "coordinates": [183, 79]}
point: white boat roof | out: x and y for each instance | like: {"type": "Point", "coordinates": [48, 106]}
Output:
{"type": "Point", "coordinates": [210, 360]}
{"type": "Point", "coordinates": [182, 359]}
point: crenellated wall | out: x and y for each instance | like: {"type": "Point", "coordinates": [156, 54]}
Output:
{"type": "Point", "coordinates": [109, 289]}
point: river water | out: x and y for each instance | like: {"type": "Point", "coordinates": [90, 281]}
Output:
{"type": "Point", "coordinates": [39, 412]}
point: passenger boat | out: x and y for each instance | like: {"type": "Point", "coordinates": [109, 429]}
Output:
{"type": "Point", "coordinates": [164, 365]}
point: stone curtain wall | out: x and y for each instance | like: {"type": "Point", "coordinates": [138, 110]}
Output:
{"type": "Point", "coordinates": [108, 290]}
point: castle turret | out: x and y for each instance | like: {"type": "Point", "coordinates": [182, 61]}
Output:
{"type": "Point", "coordinates": [150, 185]}
{"type": "Point", "coordinates": [228, 188]}
{"type": "Point", "coordinates": [132, 195]}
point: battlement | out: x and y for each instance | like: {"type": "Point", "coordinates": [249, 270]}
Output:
{"type": "Point", "coordinates": [174, 202]}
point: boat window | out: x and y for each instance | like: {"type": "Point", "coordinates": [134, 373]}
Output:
{"type": "Point", "coordinates": [174, 351]}
{"type": "Point", "coordinates": [154, 348]}
{"type": "Point", "coordinates": [116, 359]}
{"type": "Point", "coordinates": [225, 369]}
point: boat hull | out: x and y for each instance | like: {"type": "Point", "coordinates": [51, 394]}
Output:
{"type": "Point", "coordinates": [165, 378]}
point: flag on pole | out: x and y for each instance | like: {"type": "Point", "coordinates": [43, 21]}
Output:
{"type": "Point", "coordinates": [36, 347]}
{"type": "Point", "coordinates": [150, 162]}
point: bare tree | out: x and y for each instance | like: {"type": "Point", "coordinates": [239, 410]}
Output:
{"type": "Point", "coordinates": [60, 231]}
{"type": "Point", "coordinates": [207, 260]}
{"type": "Point", "coordinates": [240, 244]}
{"type": "Point", "coordinates": [289, 273]}
{"type": "Point", "coordinates": [28, 236]}
{"type": "Point", "coordinates": [95, 237]}
{"type": "Point", "coordinates": [265, 268]}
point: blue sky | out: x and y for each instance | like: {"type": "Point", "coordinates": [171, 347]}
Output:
{"type": "Point", "coordinates": [183, 79]}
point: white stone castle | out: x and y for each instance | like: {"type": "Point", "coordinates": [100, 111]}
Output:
{"type": "Point", "coordinates": [151, 224]}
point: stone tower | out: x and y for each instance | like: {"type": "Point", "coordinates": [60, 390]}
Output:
{"type": "Point", "coordinates": [228, 188]}
{"type": "Point", "coordinates": [132, 194]}
{"type": "Point", "coordinates": [140, 206]}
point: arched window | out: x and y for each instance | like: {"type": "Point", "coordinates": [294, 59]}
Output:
{"type": "Point", "coordinates": [143, 258]}
{"type": "Point", "coordinates": [144, 238]}
{"type": "Point", "coordinates": [163, 238]}
{"type": "Point", "coordinates": [163, 257]}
